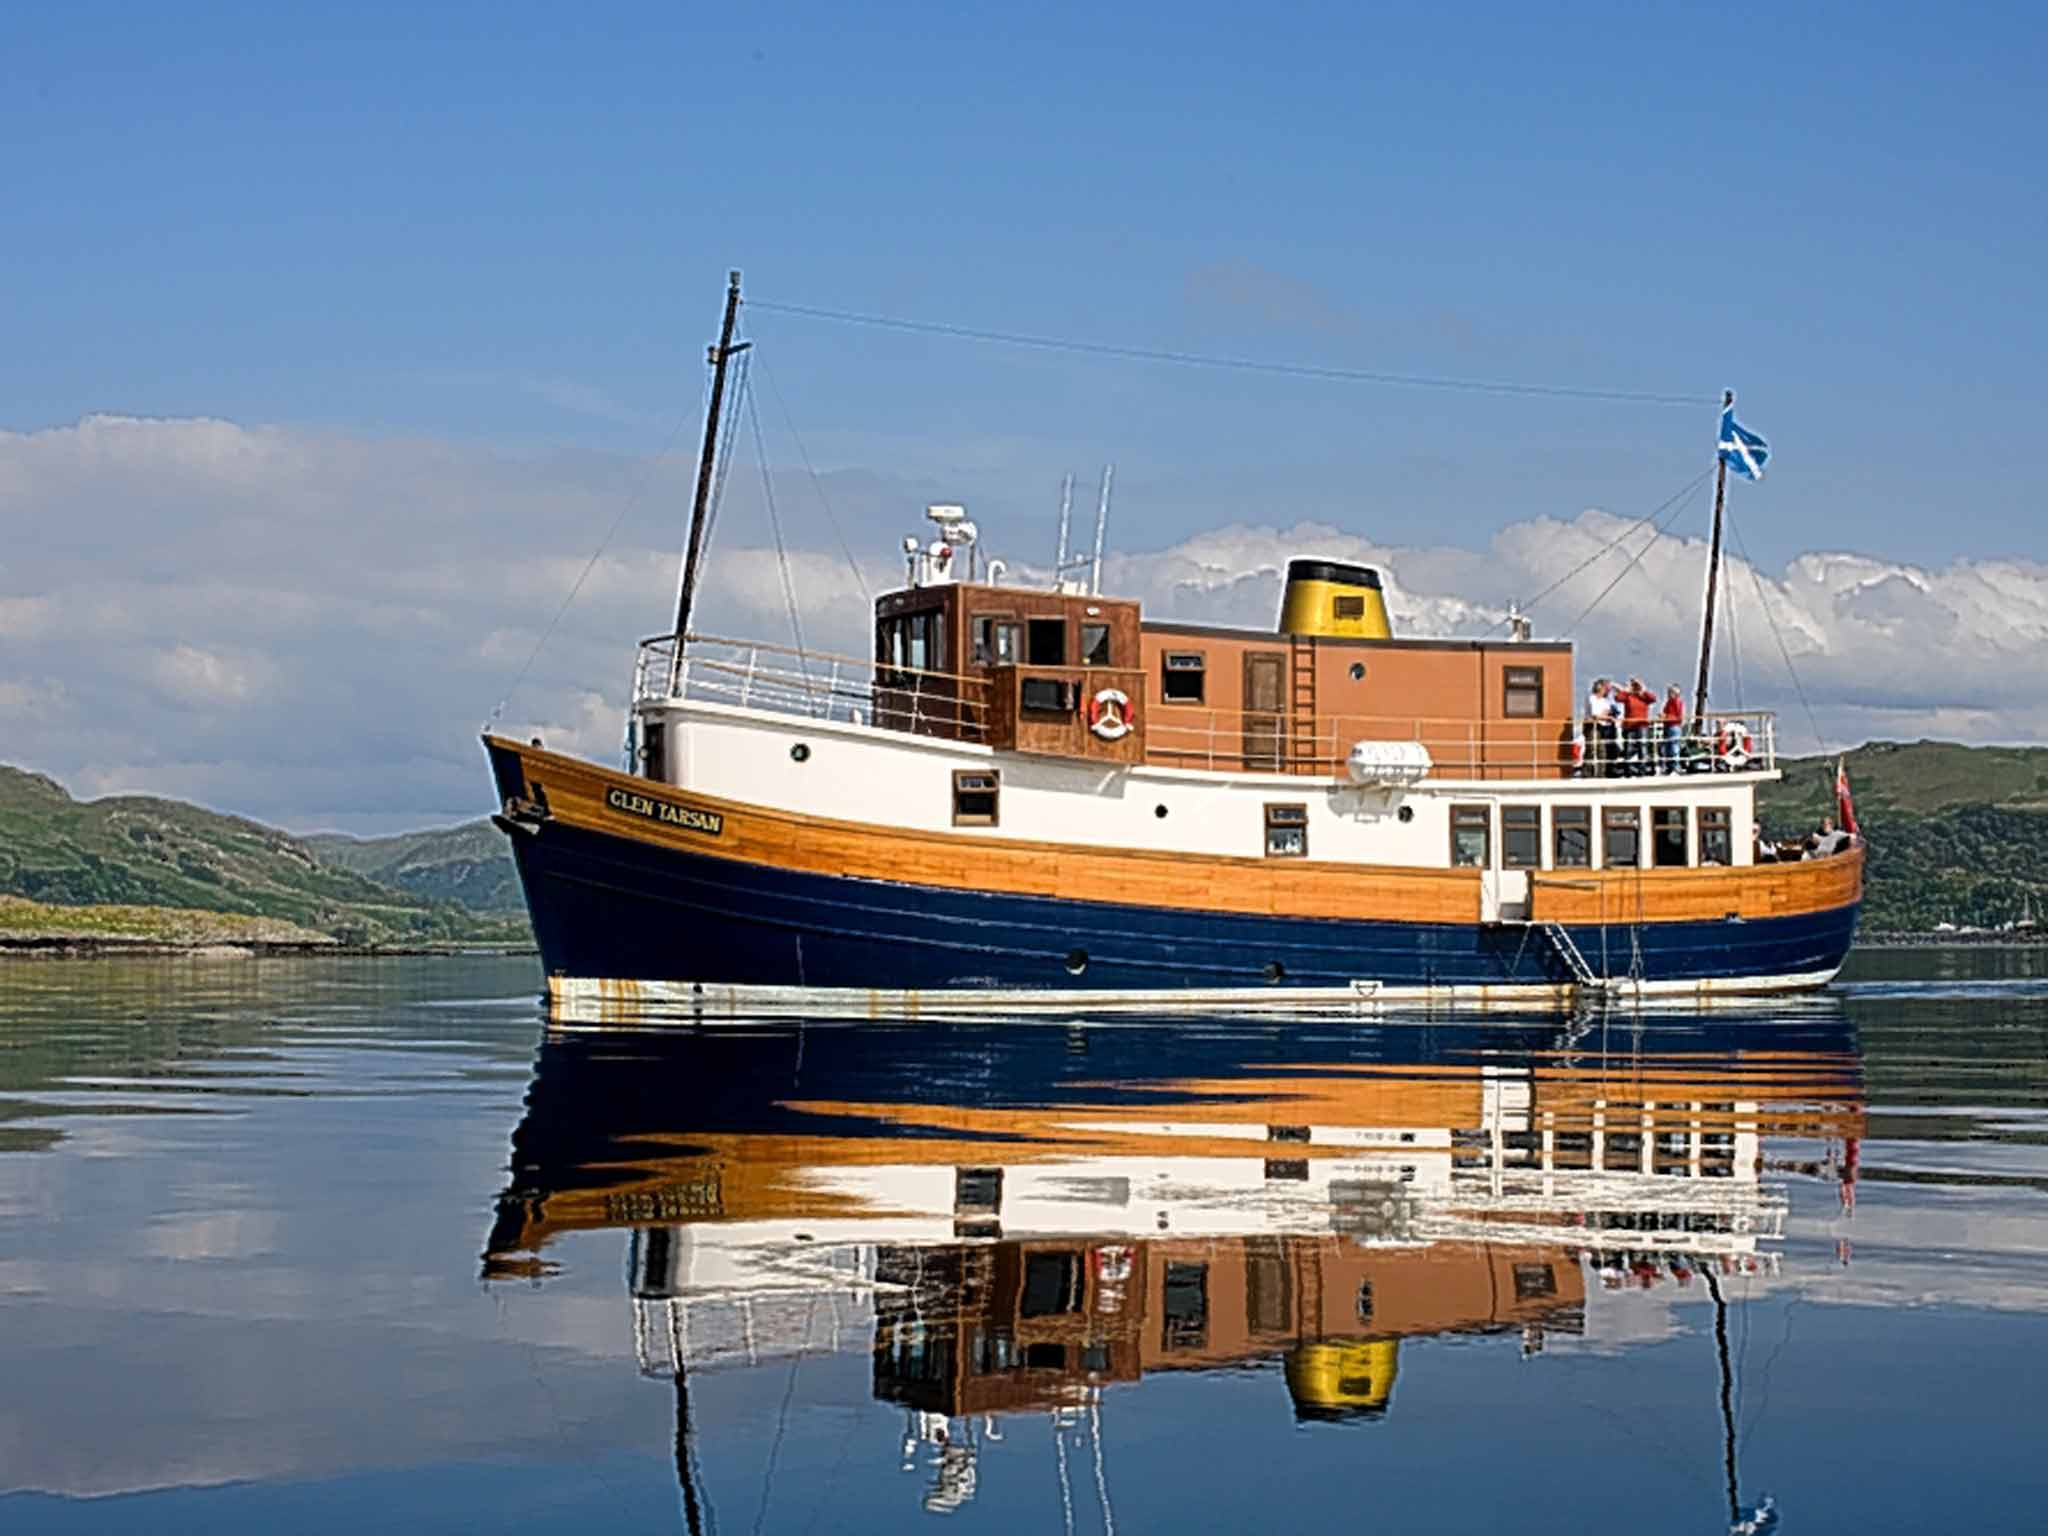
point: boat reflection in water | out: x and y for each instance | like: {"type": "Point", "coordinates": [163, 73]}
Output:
{"type": "Point", "coordinates": [1017, 1217]}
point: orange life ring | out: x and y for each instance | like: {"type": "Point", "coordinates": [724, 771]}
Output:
{"type": "Point", "coordinates": [1111, 714]}
{"type": "Point", "coordinates": [1734, 744]}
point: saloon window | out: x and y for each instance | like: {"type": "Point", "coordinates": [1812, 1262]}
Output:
{"type": "Point", "coordinates": [995, 641]}
{"type": "Point", "coordinates": [1668, 836]}
{"type": "Point", "coordinates": [1521, 836]}
{"type": "Point", "coordinates": [1471, 836]}
{"type": "Point", "coordinates": [1521, 695]}
{"type": "Point", "coordinates": [1287, 831]}
{"type": "Point", "coordinates": [1717, 846]}
{"type": "Point", "coordinates": [1180, 677]}
{"type": "Point", "coordinates": [1094, 645]}
{"type": "Point", "coordinates": [1571, 832]}
{"type": "Point", "coordinates": [975, 795]}
{"type": "Point", "coordinates": [1622, 834]}
{"type": "Point", "coordinates": [1047, 642]}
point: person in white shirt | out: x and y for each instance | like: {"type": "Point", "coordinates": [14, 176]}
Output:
{"type": "Point", "coordinates": [1603, 716]}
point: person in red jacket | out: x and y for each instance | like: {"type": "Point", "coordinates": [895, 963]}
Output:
{"type": "Point", "coordinates": [1635, 727]}
{"type": "Point", "coordinates": [1673, 716]}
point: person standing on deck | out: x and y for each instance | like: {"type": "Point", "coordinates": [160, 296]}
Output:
{"type": "Point", "coordinates": [1603, 712]}
{"type": "Point", "coordinates": [1673, 715]}
{"type": "Point", "coordinates": [1635, 726]}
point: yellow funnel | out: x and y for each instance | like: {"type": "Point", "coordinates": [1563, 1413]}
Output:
{"type": "Point", "coordinates": [1350, 1380]}
{"type": "Point", "coordinates": [1328, 597]}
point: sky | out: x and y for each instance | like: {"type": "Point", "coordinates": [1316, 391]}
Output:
{"type": "Point", "coordinates": [332, 345]}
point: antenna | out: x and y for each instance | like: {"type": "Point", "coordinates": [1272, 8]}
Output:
{"type": "Point", "coordinates": [1101, 527]}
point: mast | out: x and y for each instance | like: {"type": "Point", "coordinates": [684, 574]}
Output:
{"type": "Point", "coordinates": [723, 353]}
{"type": "Point", "coordinates": [1059, 561]}
{"type": "Point", "coordinates": [1101, 527]}
{"type": "Point", "coordinates": [1699, 693]}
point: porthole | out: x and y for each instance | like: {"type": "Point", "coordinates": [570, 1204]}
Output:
{"type": "Point", "coordinates": [1275, 970]}
{"type": "Point", "coordinates": [800, 753]}
{"type": "Point", "coordinates": [1358, 671]}
{"type": "Point", "coordinates": [1159, 811]}
{"type": "Point", "coordinates": [1405, 814]}
{"type": "Point", "coordinates": [1077, 961]}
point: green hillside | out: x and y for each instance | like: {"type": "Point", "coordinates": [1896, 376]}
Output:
{"type": "Point", "coordinates": [139, 851]}
{"type": "Point", "coordinates": [468, 864]}
{"type": "Point", "coordinates": [1957, 834]}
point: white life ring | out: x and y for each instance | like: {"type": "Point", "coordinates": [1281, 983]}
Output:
{"type": "Point", "coordinates": [1110, 714]}
{"type": "Point", "coordinates": [1734, 745]}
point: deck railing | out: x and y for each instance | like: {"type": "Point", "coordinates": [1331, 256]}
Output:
{"type": "Point", "coordinates": [976, 707]}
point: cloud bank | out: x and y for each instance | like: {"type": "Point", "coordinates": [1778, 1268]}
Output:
{"type": "Point", "coordinates": [310, 626]}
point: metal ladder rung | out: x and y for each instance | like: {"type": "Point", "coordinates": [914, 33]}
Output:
{"type": "Point", "coordinates": [1561, 941]}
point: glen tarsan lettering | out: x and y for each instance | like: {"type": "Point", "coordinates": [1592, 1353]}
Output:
{"type": "Point", "coordinates": [667, 812]}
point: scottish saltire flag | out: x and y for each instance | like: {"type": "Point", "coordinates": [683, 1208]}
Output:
{"type": "Point", "coordinates": [1741, 449]}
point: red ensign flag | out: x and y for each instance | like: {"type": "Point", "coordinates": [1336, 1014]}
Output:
{"type": "Point", "coordinates": [1842, 800]}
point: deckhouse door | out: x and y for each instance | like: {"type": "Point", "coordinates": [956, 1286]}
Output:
{"type": "Point", "coordinates": [1264, 724]}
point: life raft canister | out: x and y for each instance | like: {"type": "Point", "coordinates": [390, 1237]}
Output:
{"type": "Point", "coordinates": [1111, 714]}
{"type": "Point", "coordinates": [1734, 745]}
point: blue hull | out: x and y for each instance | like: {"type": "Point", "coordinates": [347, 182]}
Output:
{"type": "Point", "coordinates": [609, 906]}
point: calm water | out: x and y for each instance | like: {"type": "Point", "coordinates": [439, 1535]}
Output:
{"type": "Point", "coordinates": [321, 1245]}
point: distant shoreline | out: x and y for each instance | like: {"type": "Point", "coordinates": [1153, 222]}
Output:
{"type": "Point", "coordinates": [83, 947]}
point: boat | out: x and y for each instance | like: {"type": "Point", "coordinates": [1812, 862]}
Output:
{"type": "Point", "coordinates": [1031, 794]}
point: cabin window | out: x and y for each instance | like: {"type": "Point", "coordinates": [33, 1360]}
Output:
{"type": "Point", "coordinates": [1046, 696]}
{"type": "Point", "coordinates": [1717, 845]}
{"type": "Point", "coordinates": [1052, 1284]}
{"type": "Point", "coordinates": [975, 795]}
{"type": "Point", "coordinates": [1571, 837]}
{"type": "Point", "coordinates": [913, 640]}
{"type": "Point", "coordinates": [1094, 645]}
{"type": "Point", "coordinates": [1181, 675]}
{"type": "Point", "coordinates": [1471, 837]}
{"type": "Point", "coordinates": [1046, 642]}
{"type": "Point", "coordinates": [1286, 831]}
{"type": "Point", "coordinates": [1521, 695]}
{"type": "Point", "coordinates": [1668, 839]}
{"type": "Point", "coordinates": [1621, 833]}
{"type": "Point", "coordinates": [1521, 836]}
{"type": "Point", "coordinates": [995, 641]}
{"type": "Point", "coordinates": [1184, 1323]}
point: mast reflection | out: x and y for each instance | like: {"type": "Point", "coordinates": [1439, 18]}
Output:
{"type": "Point", "coordinates": [1018, 1218]}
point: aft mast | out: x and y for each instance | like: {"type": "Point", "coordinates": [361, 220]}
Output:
{"type": "Point", "coordinates": [1699, 693]}
{"type": "Point", "coordinates": [721, 355]}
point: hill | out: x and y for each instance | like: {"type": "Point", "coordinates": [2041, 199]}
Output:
{"type": "Point", "coordinates": [467, 864]}
{"type": "Point", "coordinates": [1957, 834]}
{"type": "Point", "coordinates": [140, 851]}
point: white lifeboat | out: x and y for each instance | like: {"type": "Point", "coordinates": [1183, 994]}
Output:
{"type": "Point", "coordinates": [1389, 764]}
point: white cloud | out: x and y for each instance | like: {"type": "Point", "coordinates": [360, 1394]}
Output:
{"type": "Point", "coordinates": [309, 626]}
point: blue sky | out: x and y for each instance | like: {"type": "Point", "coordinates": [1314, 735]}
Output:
{"type": "Point", "coordinates": [446, 273]}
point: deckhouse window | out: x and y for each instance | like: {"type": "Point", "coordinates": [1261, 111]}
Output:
{"type": "Point", "coordinates": [1046, 640]}
{"type": "Point", "coordinates": [1717, 845]}
{"type": "Point", "coordinates": [1094, 645]}
{"type": "Point", "coordinates": [1471, 837]}
{"type": "Point", "coordinates": [1668, 836]}
{"type": "Point", "coordinates": [995, 641]}
{"type": "Point", "coordinates": [1622, 834]}
{"type": "Point", "coordinates": [1571, 832]}
{"type": "Point", "coordinates": [975, 795]}
{"type": "Point", "coordinates": [1287, 831]}
{"type": "Point", "coordinates": [1521, 693]}
{"type": "Point", "coordinates": [911, 640]}
{"type": "Point", "coordinates": [1181, 676]}
{"type": "Point", "coordinates": [1521, 836]}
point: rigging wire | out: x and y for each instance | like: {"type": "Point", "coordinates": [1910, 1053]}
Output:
{"type": "Point", "coordinates": [728, 430]}
{"type": "Point", "coordinates": [1608, 548]}
{"type": "Point", "coordinates": [796, 622]}
{"type": "Point", "coordinates": [626, 507]}
{"type": "Point", "coordinates": [1734, 645]}
{"type": "Point", "coordinates": [1676, 505]}
{"type": "Point", "coordinates": [1812, 722]}
{"type": "Point", "coordinates": [1241, 364]}
{"type": "Point", "coordinates": [818, 485]}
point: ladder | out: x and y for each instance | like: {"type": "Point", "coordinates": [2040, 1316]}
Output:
{"type": "Point", "coordinates": [1561, 941]}
{"type": "Point", "coordinates": [1301, 704]}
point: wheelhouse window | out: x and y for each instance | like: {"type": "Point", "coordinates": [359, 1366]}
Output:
{"type": "Point", "coordinates": [1181, 676]}
{"type": "Point", "coordinates": [1286, 831]}
{"type": "Point", "coordinates": [1668, 836]}
{"type": "Point", "coordinates": [1571, 837]}
{"type": "Point", "coordinates": [1717, 843]}
{"type": "Point", "coordinates": [1094, 645]}
{"type": "Point", "coordinates": [1521, 695]}
{"type": "Point", "coordinates": [1521, 836]}
{"type": "Point", "coordinates": [1046, 642]}
{"type": "Point", "coordinates": [1621, 836]}
{"type": "Point", "coordinates": [1471, 837]}
{"type": "Point", "coordinates": [914, 640]}
{"type": "Point", "coordinates": [995, 641]}
{"type": "Point", "coordinates": [976, 793]}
